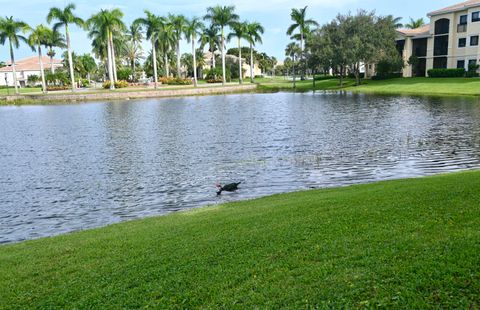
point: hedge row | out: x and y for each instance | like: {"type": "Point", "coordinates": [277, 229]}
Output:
{"type": "Point", "coordinates": [446, 73]}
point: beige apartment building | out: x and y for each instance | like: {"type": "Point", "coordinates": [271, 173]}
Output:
{"type": "Point", "coordinates": [451, 40]}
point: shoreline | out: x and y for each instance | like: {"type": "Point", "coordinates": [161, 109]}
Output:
{"type": "Point", "coordinates": [372, 232]}
{"type": "Point", "coordinates": [78, 97]}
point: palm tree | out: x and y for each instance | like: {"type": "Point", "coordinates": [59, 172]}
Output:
{"type": "Point", "coordinates": [254, 32]}
{"type": "Point", "coordinates": [300, 22]}
{"type": "Point", "coordinates": [66, 17]}
{"type": "Point", "coordinates": [134, 49]}
{"type": "Point", "coordinates": [211, 37]}
{"type": "Point", "coordinates": [54, 39]}
{"type": "Point", "coordinates": [166, 40]}
{"type": "Point", "coordinates": [239, 32]}
{"type": "Point", "coordinates": [222, 16]}
{"type": "Point", "coordinates": [293, 50]}
{"type": "Point", "coordinates": [9, 29]}
{"type": "Point", "coordinates": [178, 23]}
{"type": "Point", "coordinates": [415, 23]}
{"type": "Point", "coordinates": [105, 24]}
{"type": "Point", "coordinates": [396, 21]}
{"type": "Point", "coordinates": [193, 28]}
{"type": "Point", "coordinates": [37, 38]}
{"type": "Point", "coordinates": [153, 25]}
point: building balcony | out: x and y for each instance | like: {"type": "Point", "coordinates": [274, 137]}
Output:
{"type": "Point", "coordinates": [461, 28]}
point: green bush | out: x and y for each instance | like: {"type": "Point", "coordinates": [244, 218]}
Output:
{"type": "Point", "coordinates": [446, 73]}
{"type": "Point", "coordinates": [118, 84]}
{"type": "Point", "coordinates": [216, 74]}
{"type": "Point", "coordinates": [175, 81]}
{"type": "Point", "coordinates": [387, 76]}
{"type": "Point", "coordinates": [124, 74]}
{"type": "Point", "coordinates": [472, 71]}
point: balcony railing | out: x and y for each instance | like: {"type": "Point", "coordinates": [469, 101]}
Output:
{"type": "Point", "coordinates": [461, 28]}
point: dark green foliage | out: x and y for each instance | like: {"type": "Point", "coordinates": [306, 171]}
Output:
{"type": "Point", "coordinates": [446, 73]}
{"type": "Point", "coordinates": [216, 74]}
{"type": "Point", "coordinates": [388, 68]}
{"type": "Point", "coordinates": [472, 71]}
{"type": "Point", "coordinates": [124, 73]}
{"type": "Point", "coordinates": [406, 244]}
{"type": "Point", "coordinates": [59, 78]}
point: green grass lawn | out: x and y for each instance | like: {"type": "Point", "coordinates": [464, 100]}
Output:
{"type": "Point", "coordinates": [397, 244]}
{"type": "Point", "coordinates": [401, 86]}
{"type": "Point", "coordinates": [422, 86]}
{"type": "Point", "coordinates": [11, 90]}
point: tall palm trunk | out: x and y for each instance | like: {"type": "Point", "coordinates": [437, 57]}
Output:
{"type": "Point", "coordinates": [178, 58]}
{"type": "Point", "coordinates": [167, 65]}
{"type": "Point", "coordinates": [114, 61]}
{"type": "Point", "coordinates": [154, 61]}
{"type": "Point", "coordinates": [302, 73]}
{"type": "Point", "coordinates": [12, 59]}
{"type": "Point", "coordinates": [224, 80]}
{"type": "Point", "coordinates": [195, 83]}
{"type": "Point", "coordinates": [251, 63]}
{"type": "Point", "coordinates": [212, 49]}
{"type": "Point", "coordinates": [240, 71]}
{"type": "Point", "coordinates": [42, 72]}
{"type": "Point", "coordinates": [70, 59]}
{"type": "Point", "coordinates": [110, 65]}
{"type": "Point", "coordinates": [52, 68]}
{"type": "Point", "coordinates": [294, 74]}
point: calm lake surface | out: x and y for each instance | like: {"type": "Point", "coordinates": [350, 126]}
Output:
{"type": "Point", "coordinates": [71, 167]}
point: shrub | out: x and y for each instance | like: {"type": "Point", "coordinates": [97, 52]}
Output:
{"type": "Point", "coordinates": [57, 88]}
{"type": "Point", "coordinates": [324, 77]}
{"type": "Point", "coordinates": [446, 73]}
{"type": "Point", "coordinates": [124, 74]}
{"type": "Point", "coordinates": [212, 81]}
{"type": "Point", "coordinates": [118, 84]}
{"type": "Point", "coordinates": [352, 75]}
{"type": "Point", "coordinates": [472, 71]}
{"type": "Point", "coordinates": [388, 76]}
{"type": "Point", "coordinates": [175, 81]}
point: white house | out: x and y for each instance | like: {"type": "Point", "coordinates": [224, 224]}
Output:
{"type": "Point", "coordinates": [25, 68]}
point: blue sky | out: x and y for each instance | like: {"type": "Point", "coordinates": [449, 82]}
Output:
{"type": "Point", "coordinates": [273, 14]}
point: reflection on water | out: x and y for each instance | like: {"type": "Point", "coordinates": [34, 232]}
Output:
{"type": "Point", "coordinates": [71, 167]}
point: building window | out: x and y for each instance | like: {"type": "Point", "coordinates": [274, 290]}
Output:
{"type": "Point", "coordinates": [473, 40]}
{"type": "Point", "coordinates": [440, 63]}
{"type": "Point", "coordinates": [463, 19]}
{"type": "Point", "coordinates": [460, 64]}
{"type": "Point", "coordinates": [462, 42]}
{"type": "Point", "coordinates": [472, 62]}
{"type": "Point", "coordinates": [440, 46]}
{"type": "Point", "coordinates": [475, 16]}
{"type": "Point", "coordinates": [442, 26]}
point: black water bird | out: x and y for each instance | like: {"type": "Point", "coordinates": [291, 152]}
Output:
{"type": "Point", "coordinates": [232, 187]}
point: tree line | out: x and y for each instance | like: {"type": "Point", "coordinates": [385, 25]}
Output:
{"type": "Point", "coordinates": [345, 44]}
{"type": "Point", "coordinates": [118, 46]}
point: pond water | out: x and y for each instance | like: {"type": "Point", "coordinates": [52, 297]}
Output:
{"type": "Point", "coordinates": [71, 167]}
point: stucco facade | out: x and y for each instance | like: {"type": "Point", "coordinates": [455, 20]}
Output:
{"type": "Point", "coordinates": [451, 40]}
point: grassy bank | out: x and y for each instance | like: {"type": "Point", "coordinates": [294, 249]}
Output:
{"type": "Point", "coordinates": [401, 86]}
{"type": "Point", "coordinates": [408, 243]}
{"type": "Point", "coordinates": [11, 90]}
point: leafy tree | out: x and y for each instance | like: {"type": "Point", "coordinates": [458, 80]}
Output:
{"type": "Point", "coordinates": [10, 29]}
{"type": "Point", "coordinates": [103, 25]}
{"type": "Point", "coordinates": [33, 79]}
{"type": "Point", "coordinates": [222, 16]}
{"type": "Point", "coordinates": [210, 37]}
{"type": "Point", "coordinates": [178, 23]}
{"type": "Point", "coordinates": [415, 23]}
{"type": "Point", "coordinates": [153, 25]}
{"type": "Point", "coordinates": [88, 65]}
{"type": "Point", "coordinates": [54, 39]}
{"type": "Point", "coordinates": [193, 28]}
{"type": "Point", "coordinates": [133, 49]}
{"type": "Point", "coordinates": [396, 21]}
{"type": "Point", "coordinates": [239, 32]}
{"type": "Point", "coordinates": [254, 35]}
{"type": "Point", "coordinates": [294, 51]}
{"type": "Point", "coordinates": [37, 38]}
{"type": "Point", "coordinates": [64, 18]}
{"type": "Point", "coordinates": [300, 22]}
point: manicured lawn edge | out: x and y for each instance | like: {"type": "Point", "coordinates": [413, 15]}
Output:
{"type": "Point", "coordinates": [411, 243]}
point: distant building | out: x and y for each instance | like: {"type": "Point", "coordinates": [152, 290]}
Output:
{"type": "Point", "coordinates": [451, 40]}
{"type": "Point", "coordinates": [245, 66]}
{"type": "Point", "coordinates": [25, 68]}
